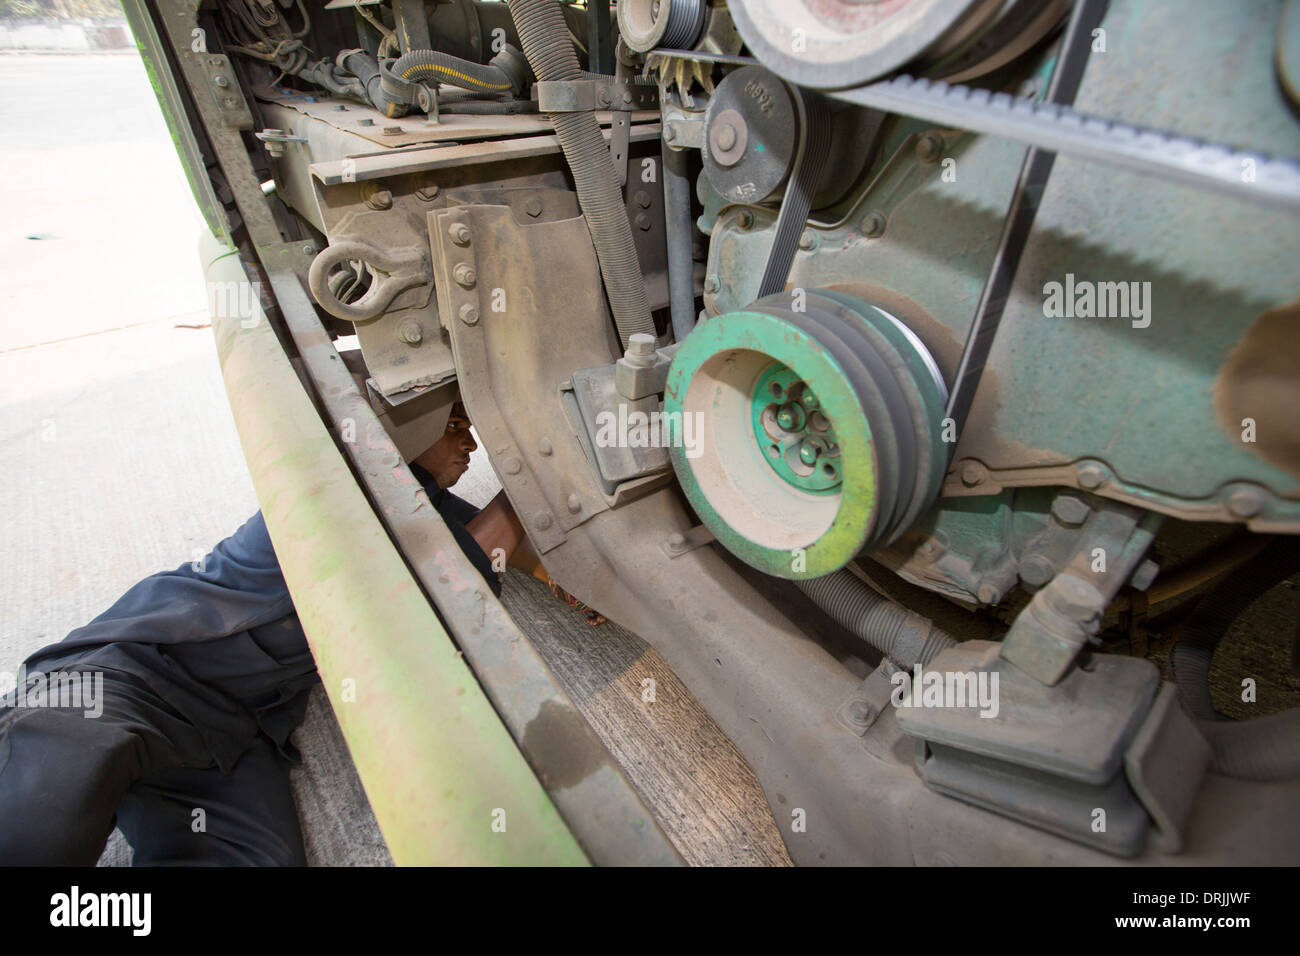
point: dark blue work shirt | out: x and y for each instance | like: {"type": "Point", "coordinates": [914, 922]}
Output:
{"type": "Point", "coordinates": [220, 640]}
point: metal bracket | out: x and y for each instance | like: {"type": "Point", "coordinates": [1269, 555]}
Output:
{"type": "Point", "coordinates": [568, 96]}
{"type": "Point", "coordinates": [684, 542]}
{"type": "Point", "coordinates": [869, 699]}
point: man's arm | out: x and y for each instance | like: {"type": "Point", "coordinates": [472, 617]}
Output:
{"type": "Point", "coordinates": [498, 527]}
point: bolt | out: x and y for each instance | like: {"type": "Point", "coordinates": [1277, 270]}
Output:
{"type": "Point", "coordinates": [988, 594]}
{"type": "Point", "coordinates": [1091, 476]}
{"type": "Point", "coordinates": [809, 449]}
{"type": "Point", "coordinates": [791, 418]}
{"type": "Point", "coordinates": [670, 132]}
{"type": "Point", "coordinates": [221, 81]}
{"type": "Point", "coordinates": [365, 122]}
{"type": "Point", "coordinates": [308, 249]}
{"type": "Point", "coordinates": [229, 102]}
{"type": "Point", "coordinates": [809, 399]}
{"type": "Point", "coordinates": [512, 466]}
{"type": "Point", "coordinates": [873, 225]}
{"type": "Point", "coordinates": [427, 193]}
{"type": "Point", "coordinates": [603, 96]}
{"type": "Point", "coordinates": [1036, 570]}
{"type": "Point", "coordinates": [542, 520]}
{"type": "Point", "coordinates": [464, 275]}
{"type": "Point", "coordinates": [544, 446]}
{"type": "Point", "coordinates": [469, 313]}
{"type": "Point", "coordinates": [1245, 502]}
{"type": "Point", "coordinates": [574, 503]}
{"type": "Point", "coordinates": [711, 284]}
{"type": "Point", "coordinates": [676, 541]}
{"type": "Point", "coordinates": [627, 97]}
{"type": "Point", "coordinates": [972, 473]}
{"type": "Point", "coordinates": [1073, 598]}
{"type": "Point", "coordinates": [533, 206]}
{"type": "Point", "coordinates": [642, 221]}
{"type": "Point", "coordinates": [929, 148]}
{"type": "Point", "coordinates": [410, 332]}
{"type": "Point", "coordinates": [381, 198]}
{"type": "Point", "coordinates": [807, 240]}
{"type": "Point", "coordinates": [640, 345]}
{"type": "Point", "coordinates": [459, 233]}
{"type": "Point", "coordinates": [392, 131]}
{"type": "Point", "coordinates": [819, 422]}
{"type": "Point", "coordinates": [1070, 510]}
{"type": "Point", "coordinates": [340, 108]}
{"type": "Point", "coordinates": [642, 198]}
{"type": "Point", "coordinates": [745, 220]}
{"type": "Point", "coordinates": [725, 137]}
{"type": "Point", "coordinates": [859, 711]}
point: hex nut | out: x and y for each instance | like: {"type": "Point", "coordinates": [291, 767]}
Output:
{"type": "Point", "coordinates": [1036, 570]}
{"type": "Point", "coordinates": [464, 275]}
{"type": "Point", "coordinates": [427, 193]}
{"type": "Point", "coordinates": [972, 473]}
{"type": "Point", "coordinates": [1091, 476]}
{"type": "Point", "coordinates": [469, 313]}
{"type": "Point", "coordinates": [1070, 510]}
{"type": "Point", "coordinates": [459, 233]}
{"type": "Point", "coordinates": [533, 206]}
{"type": "Point", "coordinates": [410, 332]}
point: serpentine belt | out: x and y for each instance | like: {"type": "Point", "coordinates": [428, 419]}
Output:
{"type": "Point", "coordinates": [809, 164]}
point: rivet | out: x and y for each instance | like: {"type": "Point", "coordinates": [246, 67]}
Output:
{"type": "Point", "coordinates": [542, 520]}
{"type": "Point", "coordinates": [512, 466]}
{"type": "Point", "coordinates": [544, 446]}
{"type": "Point", "coordinates": [574, 503]}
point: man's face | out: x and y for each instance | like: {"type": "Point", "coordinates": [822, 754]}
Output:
{"type": "Point", "coordinates": [448, 458]}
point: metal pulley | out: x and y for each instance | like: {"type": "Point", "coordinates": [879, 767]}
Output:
{"type": "Point", "coordinates": [819, 419]}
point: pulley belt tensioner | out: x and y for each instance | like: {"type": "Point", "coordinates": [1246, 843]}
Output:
{"type": "Point", "coordinates": [819, 430]}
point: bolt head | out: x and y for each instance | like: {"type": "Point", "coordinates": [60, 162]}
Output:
{"type": "Point", "coordinates": [542, 520]}
{"type": "Point", "coordinates": [380, 199]}
{"type": "Point", "coordinates": [641, 344]}
{"type": "Point", "coordinates": [1091, 476]}
{"type": "Point", "coordinates": [642, 199]}
{"type": "Point", "coordinates": [469, 313]}
{"type": "Point", "coordinates": [726, 136]}
{"type": "Point", "coordinates": [676, 540]}
{"type": "Point", "coordinates": [221, 81]}
{"type": "Point", "coordinates": [988, 594]}
{"type": "Point", "coordinates": [972, 473]}
{"type": "Point", "coordinates": [873, 225]}
{"type": "Point", "coordinates": [1036, 570]}
{"type": "Point", "coordinates": [860, 711]}
{"type": "Point", "coordinates": [464, 274]}
{"type": "Point", "coordinates": [574, 503]}
{"type": "Point", "coordinates": [1245, 502]}
{"type": "Point", "coordinates": [410, 332]}
{"type": "Point", "coordinates": [809, 449]}
{"type": "Point", "coordinates": [711, 284]}
{"type": "Point", "coordinates": [427, 193]}
{"type": "Point", "coordinates": [807, 240]}
{"type": "Point", "coordinates": [1070, 510]}
{"type": "Point", "coordinates": [533, 207]}
{"type": "Point", "coordinates": [929, 148]}
{"type": "Point", "coordinates": [643, 222]}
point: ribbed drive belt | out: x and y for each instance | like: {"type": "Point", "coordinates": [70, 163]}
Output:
{"type": "Point", "coordinates": [809, 164]}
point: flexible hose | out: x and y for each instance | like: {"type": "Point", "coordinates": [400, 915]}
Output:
{"type": "Point", "coordinates": [1190, 659]}
{"type": "Point", "coordinates": [364, 67]}
{"type": "Point", "coordinates": [477, 77]}
{"type": "Point", "coordinates": [1266, 748]}
{"type": "Point", "coordinates": [904, 637]}
{"type": "Point", "coordinates": [545, 38]}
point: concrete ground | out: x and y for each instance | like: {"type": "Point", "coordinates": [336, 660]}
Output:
{"type": "Point", "coordinates": [118, 456]}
